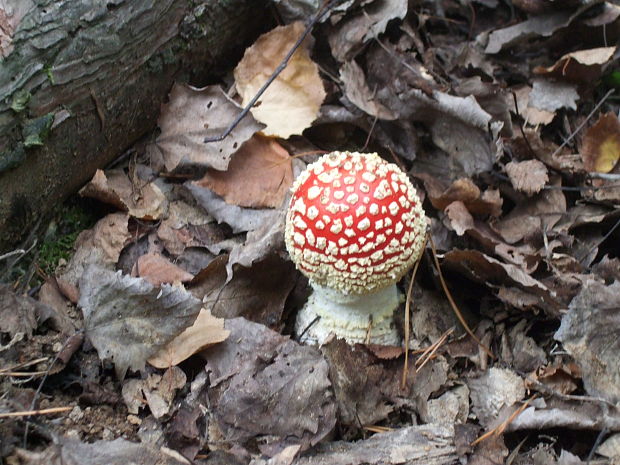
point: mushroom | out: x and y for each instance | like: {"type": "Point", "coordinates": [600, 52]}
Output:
{"type": "Point", "coordinates": [354, 226]}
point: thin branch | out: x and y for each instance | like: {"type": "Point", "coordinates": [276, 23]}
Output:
{"type": "Point", "coordinates": [403, 382]}
{"type": "Point", "coordinates": [29, 413]}
{"type": "Point", "coordinates": [324, 9]}
{"type": "Point", "coordinates": [455, 308]}
{"type": "Point", "coordinates": [583, 123]}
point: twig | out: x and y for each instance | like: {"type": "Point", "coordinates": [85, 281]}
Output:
{"type": "Point", "coordinates": [403, 382]}
{"type": "Point", "coordinates": [603, 239]}
{"type": "Point", "coordinates": [583, 123]}
{"type": "Point", "coordinates": [29, 413]}
{"type": "Point", "coordinates": [502, 427]}
{"type": "Point", "coordinates": [14, 252]}
{"type": "Point", "coordinates": [430, 351]}
{"type": "Point", "coordinates": [317, 17]}
{"type": "Point", "coordinates": [70, 340]}
{"type": "Point", "coordinates": [456, 310]}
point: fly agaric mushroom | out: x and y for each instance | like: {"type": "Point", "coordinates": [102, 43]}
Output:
{"type": "Point", "coordinates": [354, 227]}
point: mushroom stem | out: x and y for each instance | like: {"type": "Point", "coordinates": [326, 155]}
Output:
{"type": "Point", "coordinates": [349, 316]}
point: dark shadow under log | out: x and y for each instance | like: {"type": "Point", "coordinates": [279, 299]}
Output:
{"type": "Point", "coordinates": [83, 80]}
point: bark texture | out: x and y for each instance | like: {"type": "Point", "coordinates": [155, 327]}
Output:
{"type": "Point", "coordinates": [82, 80]}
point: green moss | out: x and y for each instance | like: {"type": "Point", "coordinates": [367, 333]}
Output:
{"type": "Point", "coordinates": [70, 220]}
{"type": "Point", "coordinates": [35, 131]}
{"type": "Point", "coordinates": [20, 100]}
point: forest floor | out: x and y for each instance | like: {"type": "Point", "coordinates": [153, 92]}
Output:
{"type": "Point", "coordinates": [154, 322]}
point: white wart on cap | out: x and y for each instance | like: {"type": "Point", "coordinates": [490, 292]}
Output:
{"type": "Point", "coordinates": [355, 223]}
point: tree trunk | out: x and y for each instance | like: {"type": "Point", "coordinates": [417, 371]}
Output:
{"type": "Point", "coordinates": [83, 80]}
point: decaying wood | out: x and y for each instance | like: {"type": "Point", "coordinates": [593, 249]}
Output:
{"type": "Point", "coordinates": [416, 445]}
{"type": "Point", "coordinates": [83, 80]}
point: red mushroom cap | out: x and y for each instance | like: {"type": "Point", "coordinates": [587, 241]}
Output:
{"type": "Point", "coordinates": [355, 223]}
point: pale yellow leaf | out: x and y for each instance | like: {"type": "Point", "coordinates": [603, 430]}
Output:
{"type": "Point", "coordinates": [292, 101]}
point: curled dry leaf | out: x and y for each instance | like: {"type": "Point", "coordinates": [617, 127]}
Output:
{"type": "Point", "coordinates": [357, 91]}
{"type": "Point", "coordinates": [580, 66]}
{"type": "Point", "coordinates": [193, 114]}
{"type": "Point", "coordinates": [128, 320]}
{"type": "Point", "coordinates": [292, 101]}
{"type": "Point", "coordinates": [600, 149]}
{"type": "Point", "coordinates": [206, 331]}
{"type": "Point", "coordinates": [258, 176]}
{"type": "Point", "coordinates": [101, 246]}
{"type": "Point", "coordinates": [527, 176]}
{"type": "Point", "coordinates": [543, 25]}
{"type": "Point", "coordinates": [143, 200]}
{"type": "Point", "coordinates": [350, 35]}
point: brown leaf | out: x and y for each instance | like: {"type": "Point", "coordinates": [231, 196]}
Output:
{"type": "Point", "coordinates": [600, 148]}
{"type": "Point", "coordinates": [258, 176]}
{"type": "Point", "coordinates": [257, 293]}
{"type": "Point", "coordinates": [460, 218]}
{"type": "Point", "coordinates": [193, 114]}
{"type": "Point", "coordinates": [580, 66]}
{"type": "Point", "coordinates": [101, 245]}
{"type": "Point", "coordinates": [18, 314]}
{"type": "Point", "coordinates": [157, 270]}
{"type": "Point", "coordinates": [266, 386]}
{"type": "Point", "coordinates": [128, 320]}
{"type": "Point", "coordinates": [489, 270]}
{"type": "Point", "coordinates": [356, 376]}
{"type": "Point", "coordinates": [206, 331]}
{"type": "Point", "coordinates": [527, 176]}
{"type": "Point", "coordinates": [590, 332]}
{"type": "Point", "coordinates": [142, 200]}
{"type": "Point", "coordinates": [529, 218]}
{"type": "Point", "coordinates": [349, 36]}
{"type": "Point", "coordinates": [291, 103]}
{"type": "Point", "coordinates": [357, 91]}
{"type": "Point", "coordinates": [464, 190]}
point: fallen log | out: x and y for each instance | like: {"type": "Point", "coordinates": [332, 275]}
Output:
{"type": "Point", "coordinates": [83, 80]}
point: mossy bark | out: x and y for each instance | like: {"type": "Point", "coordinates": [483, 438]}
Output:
{"type": "Point", "coordinates": [83, 80]}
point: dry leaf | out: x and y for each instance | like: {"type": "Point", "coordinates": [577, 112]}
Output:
{"type": "Point", "coordinates": [550, 96]}
{"type": "Point", "coordinates": [532, 116]}
{"type": "Point", "coordinates": [357, 91]}
{"type": "Point", "coordinates": [157, 270]}
{"type": "Point", "coordinates": [189, 117]}
{"type": "Point", "coordinates": [460, 218]}
{"type": "Point", "coordinates": [128, 320]}
{"type": "Point", "coordinates": [590, 332]}
{"type": "Point", "coordinates": [258, 176]}
{"type": "Point", "coordinates": [581, 66]}
{"type": "Point", "coordinates": [527, 176]}
{"type": "Point", "coordinates": [542, 25]}
{"type": "Point", "coordinates": [265, 385]}
{"type": "Point", "coordinates": [496, 388]}
{"type": "Point", "coordinates": [206, 331]}
{"type": "Point", "coordinates": [350, 35]}
{"type": "Point", "coordinates": [142, 200]}
{"type": "Point", "coordinates": [600, 149]}
{"type": "Point", "coordinates": [292, 101]}
{"type": "Point", "coordinates": [101, 246]}
{"type": "Point", "coordinates": [238, 218]}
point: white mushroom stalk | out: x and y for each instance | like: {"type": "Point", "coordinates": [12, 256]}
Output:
{"type": "Point", "coordinates": [354, 227]}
